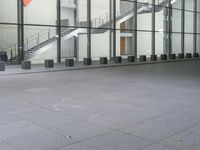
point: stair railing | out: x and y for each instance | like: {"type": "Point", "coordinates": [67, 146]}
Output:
{"type": "Point", "coordinates": [30, 42]}
{"type": "Point", "coordinates": [38, 38]}
{"type": "Point", "coordinates": [105, 18]}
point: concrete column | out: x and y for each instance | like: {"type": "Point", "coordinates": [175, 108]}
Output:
{"type": "Point", "coordinates": [183, 26]}
{"type": "Point", "coordinates": [195, 27]}
{"type": "Point", "coordinates": [58, 30]}
{"type": "Point", "coordinates": [89, 28]}
{"type": "Point", "coordinates": [111, 26]}
{"type": "Point", "coordinates": [134, 28]}
{"type": "Point", "coordinates": [114, 28]}
{"type": "Point", "coordinates": [20, 30]}
{"type": "Point", "coordinates": [153, 28]}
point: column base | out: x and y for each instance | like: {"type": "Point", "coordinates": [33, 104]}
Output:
{"type": "Point", "coordinates": [143, 58]}
{"type": "Point", "coordinates": [196, 55]}
{"type": "Point", "coordinates": [131, 58]}
{"type": "Point", "coordinates": [181, 56]}
{"type": "Point", "coordinates": [118, 59]}
{"type": "Point", "coordinates": [87, 61]}
{"type": "Point", "coordinates": [49, 63]}
{"type": "Point", "coordinates": [163, 56]}
{"type": "Point", "coordinates": [69, 62]}
{"type": "Point", "coordinates": [172, 56]}
{"type": "Point", "coordinates": [188, 55]}
{"type": "Point", "coordinates": [153, 57]}
{"type": "Point", "coordinates": [103, 60]}
{"type": "Point", "coordinates": [26, 65]}
{"type": "Point", "coordinates": [2, 66]}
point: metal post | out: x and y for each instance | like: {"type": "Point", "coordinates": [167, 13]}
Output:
{"type": "Point", "coordinates": [114, 28]}
{"type": "Point", "coordinates": [195, 27]}
{"type": "Point", "coordinates": [110, 32]}
{"type": "Point", "coordinates": [75, 38]}
{"type": "Point", "coordinates": [153, 28]}
{"type": "Point", "coordinates": [11, 56]}
{"type": "Point", "coordinates": [183, 26]}
{"type": "Point", "coordinates": [58, 30]}
{"type": "Point", "coordinates": [135, 28]}
{"type": "Point", "coordinates": [169, 27]}
{"type": "Point", "coordinates": [49, 34]}
{"type": "Point", "coordinates": [20, 31]}
{"type": "Point", "coordinates": [89, 29]}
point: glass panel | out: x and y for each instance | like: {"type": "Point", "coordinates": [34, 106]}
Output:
{"type": "Point", "coordinates": [8, 11]}
{"type": "Point", "coordinates": [40, 37]}
{"type": "Point", "coordinates": [176, 29]}
{"type": "Point", "coordinates": [8, 33]}
{"type": "Point", "coordinates": [40, 43]}
{"type": "Point", "coordinates": [46, 13]}
{"type": "Point", "coordinates": [198, 26]}
{"type": "Point", "coordinates": [160, 36]}
{"type": "Point", "coordinates": [82, 45]}
{"type": "Point", "coordinates": [100, 35]}
{"type": "Point", "coordinates": [69, 19]}
{"type": "Point", "coordinates": [126, 29]}
{"type": "Point", "coordinates": [189, 27]}
{"type": "Point", "coordinates": [144, 24]}
{"type": "Point", "coordinates": [189, 19]}
{"type": "Point", "coordinates": [9, 46]}
{"type": "Point", "coordinates": [144, 49]}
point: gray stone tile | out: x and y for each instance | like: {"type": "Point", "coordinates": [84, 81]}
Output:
{"type": "Point", "coordinates": [8, 118]}
{"type": "Point", "coordinates": [184, 141]}
{"type": "Point", "coordinates": [42, 140]}
{"type": "Point", "coordinates": [159, 128]}
{"type": "Point", "coordinates": [78, 147]}
{"type": "Point", "coordinates": [117, 141]}
{"type": "Point", "coordinates": [191, 113]}
{"type": "Point", "coordinates": [82, 130]}
{"type": "Point", "coordinates": [4, 146]}
{"type": "Point", "coordinates": [53, 120]}
{"type": "Point", "coordinates": [123, 118]}
{"type": "Point", "coordinates": [157, 147]}
{"type": "Point", "coordinates": [16, 129]}
{"type": "Point", "coordinates": [34, 113]}
{"type": "Point", "coordinates": [12, 106]}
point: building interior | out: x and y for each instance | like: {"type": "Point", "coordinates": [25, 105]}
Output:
{"type": "Point", "coordinates": [99, 74]}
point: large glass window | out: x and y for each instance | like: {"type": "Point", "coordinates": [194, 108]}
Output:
{"type": "Point", "coordinates": [60, 29]}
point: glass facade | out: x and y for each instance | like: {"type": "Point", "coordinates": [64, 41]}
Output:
{"type": "Point", "coordinates": [37, 30]}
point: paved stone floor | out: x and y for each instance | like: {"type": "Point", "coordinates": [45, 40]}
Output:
{"type": "Point", "coordinates": [141, 107]}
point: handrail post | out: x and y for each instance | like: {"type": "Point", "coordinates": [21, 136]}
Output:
{"type": "Point", "coordinates": [11, 56]}
{"type": "Point", "coordinates": [15, 49]}
{"type": "Point", "coordinates": [38, 39]}
{"type": "Point", "coordinates": [49, 33]}
{"type": "Point", "coordinates": [27, 44]}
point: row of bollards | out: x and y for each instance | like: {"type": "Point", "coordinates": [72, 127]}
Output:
{"type": "Point", "coordinates": [104, 60]}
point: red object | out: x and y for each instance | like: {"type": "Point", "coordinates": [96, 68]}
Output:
{"type": "Point", "coordinates": [26, 2]}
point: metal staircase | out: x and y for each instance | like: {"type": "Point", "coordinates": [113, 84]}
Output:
{"type": "Point", "coordinates": [34, 45]}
